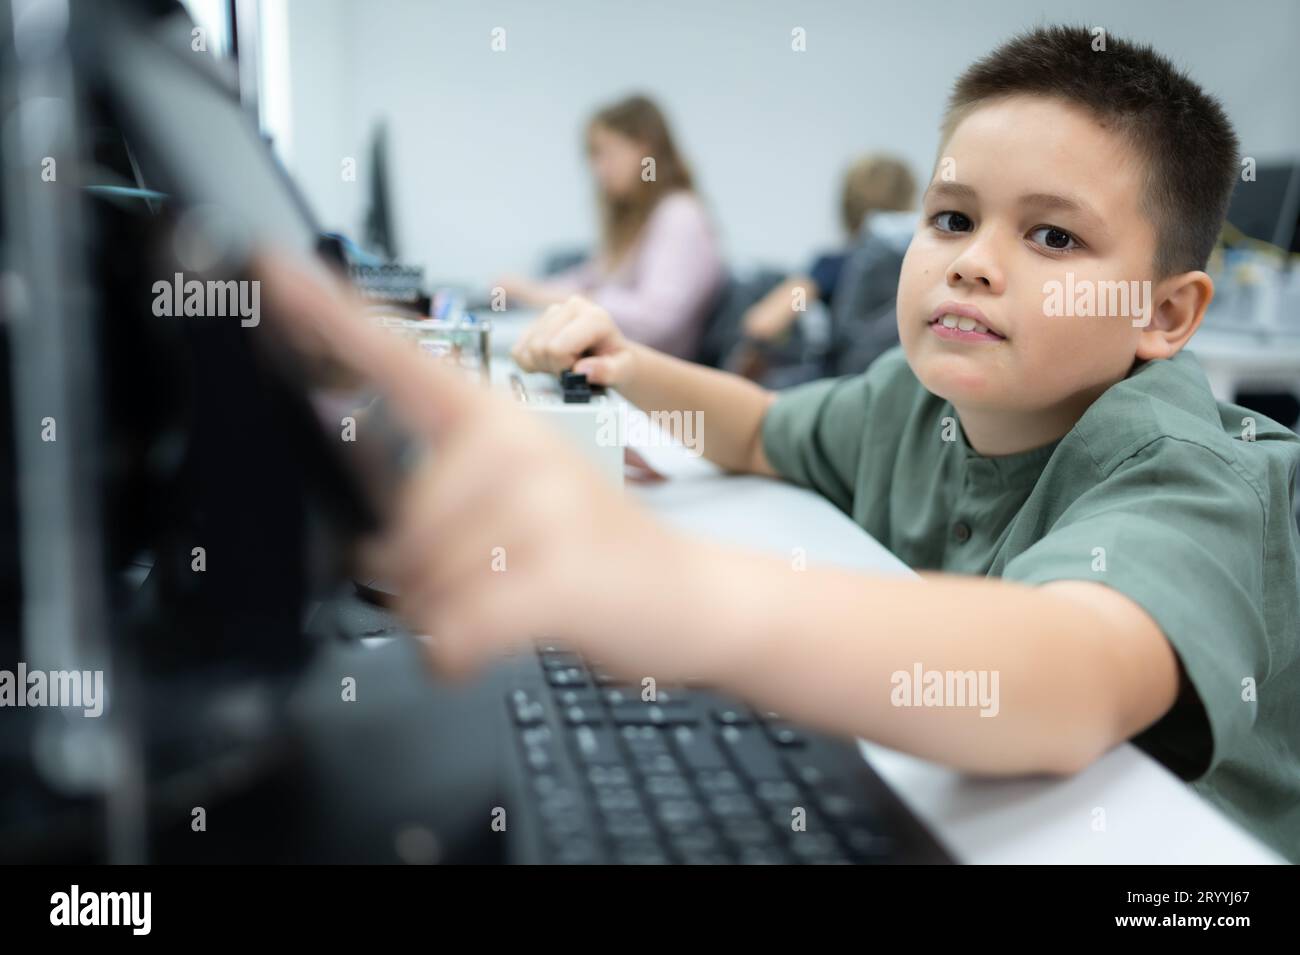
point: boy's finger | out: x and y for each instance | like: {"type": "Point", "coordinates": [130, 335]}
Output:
{"type": "Point", "coordinates": [429, 397]}
{"type": "Point", "coordinates": [577, 336]}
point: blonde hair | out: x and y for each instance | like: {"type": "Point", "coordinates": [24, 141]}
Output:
{"type": "Point", "coordinates": [621, 220]}
{"type": "Point", "coordinates": [876, 182]}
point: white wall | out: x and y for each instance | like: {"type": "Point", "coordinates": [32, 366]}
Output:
{"type": "Point", "coordinates": [486, 160]}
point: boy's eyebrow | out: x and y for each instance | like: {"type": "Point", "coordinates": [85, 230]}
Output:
{"type": "Point", "coordinates": [951, 190]}
{"type": "Point", "coordinates": [1039, 200]}
{"type": "Point", "coordinates": [1077, 207]}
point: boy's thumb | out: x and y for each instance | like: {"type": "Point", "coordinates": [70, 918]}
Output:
{"type": "Point", "coordinates": [599, 369]}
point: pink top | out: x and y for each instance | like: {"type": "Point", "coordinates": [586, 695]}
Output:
{"type": "Point", "coordinates": [662, 290]}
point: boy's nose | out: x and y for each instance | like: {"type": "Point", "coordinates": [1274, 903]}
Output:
{"type": "Point", "coordinates": [977, 265]}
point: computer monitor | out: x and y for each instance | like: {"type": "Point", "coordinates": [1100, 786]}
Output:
{"type": "Point", "coordinates": [381, 231]}
{"type": "Point", "coordinates": [194, 140]}
{"type": "Point", "coordinates": [1267, 208]}
{"type": "Point", "coordinates": [175, 435]}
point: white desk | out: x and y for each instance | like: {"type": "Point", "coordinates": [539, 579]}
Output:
{"type": "Point", "coordinates": [1235, 359]}
{"type": "Point", "coordinates": [1150, 816]}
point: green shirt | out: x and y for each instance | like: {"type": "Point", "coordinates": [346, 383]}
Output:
{"type": "Point", "coordinates": [1158, 491]}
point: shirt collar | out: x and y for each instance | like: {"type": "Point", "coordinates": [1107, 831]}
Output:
{"type": "Point", "coordinates": [1004, 470]}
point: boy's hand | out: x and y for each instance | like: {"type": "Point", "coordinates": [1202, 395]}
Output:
{"type": "Point", "coordinates": [772, 316]}
{"type": "Point", "coordinates": [524, 291]}
{"type": "Point", "coordinates": [503, 533]}
{"type": "Point", "coordinates": [578, 335]}
{"type": "Point", "coordinates": [767, 320]}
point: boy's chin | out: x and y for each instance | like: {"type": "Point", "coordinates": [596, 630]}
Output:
{"type": "Point", "coordinates": [960, 379]}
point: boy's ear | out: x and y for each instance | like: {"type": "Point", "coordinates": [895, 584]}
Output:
{"type": "Point", "coordinates": [1177, 305]}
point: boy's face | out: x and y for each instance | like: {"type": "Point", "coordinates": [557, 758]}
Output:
{"type": "Point", "coordinates": [1027, 191]}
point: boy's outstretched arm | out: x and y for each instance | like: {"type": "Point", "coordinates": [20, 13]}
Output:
{"type": "Point", "coordinates": [1079, 667]}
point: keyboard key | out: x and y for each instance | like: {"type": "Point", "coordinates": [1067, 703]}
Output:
{"type": "Point", "coordinates": [762, 855]}
{"type": "Point", "coordinates": [844, 809]}
{"type": "Point", "coordinates": [748, 832]}
{"type": "Point", "coordinates": [596, 746]}
{"type": "Point", "coordinates": [643, 739]}
{"type": "Point", "coordinates": [640, 853]}
{"type": "Point", "coordinates": [867, 845]}
{"type": "Point", "coordinates": [823, 770]}
{"type": "Point", "coordinates": [536, 736]}
{"type": "Point", "coordinates": [624, 826]}
{"type": "Point", "coordinates": [609, 776]}
{"type": "Point", "coordinates": [698, 749]}
{"type": "Point", "coordinates": [527, 709]}
{"type": "Point", "coordinates": [539, 759]}
{"type": "Point", "coordinates": [718, 782]}
{"type": "Point", "coordinates": [584, 716]}
{"type": "Point", "coordinates": [664, 697]}
{"type": "Point", "coordinates": [816, 848]}
{"type": "Point", "coordinates": [613, 799]}
{"type": "Point", "coordinates": [546, 783]}
{"type": "Point", "coordinates": [650, 753]}
{"type": "Point", "coordinates": [562, 825]}
{"type": "Point", "coordinates": [578, 696]}
{"type": "Point", "coordinates": [657, 764]}
{"type": "Point", "coordinates": [736, 805]}
{"type": "Point", "coordinates": [637, 714]}
{"type": "Point", "coordinates": [732, 716]}
{"type": "Point", "coordinates": [752, 753]}
{"type": "Point", "coordinates": [560, 659]}
{"type": "Point", "coordinates": [615, 695]}
{"type": "Point", "coordinates": [680, 814]}
{"type": "Point", "coordinates": [785, 735]}
{"type": "Point", "coordinates": [567, 676]}
{"type": "Point", "coordinates": [539, 748]}
{"type": "Point", "coordinates": [654, 714]}
{"type": "Point", "coordinates": [778, 791]}
{"type": "Point", "coordinates": [784, 818]}
{"type": "Point", "coordinates": [673, 786]}
{"type": "Point", "coordinates": [557, 800]}
{"type": "Point", "coordinates": [577, 851]}
{"type": "Point", "coordinates": [696, 840]}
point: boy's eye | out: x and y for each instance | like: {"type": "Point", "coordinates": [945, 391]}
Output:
{"type": "Point", "coordinates": [952, 222]}
{"type": "Point", "coordinates": [1058, 240]}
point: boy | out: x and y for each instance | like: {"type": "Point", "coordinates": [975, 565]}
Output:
{"type": "Point", "coordinates": [1117, 549]}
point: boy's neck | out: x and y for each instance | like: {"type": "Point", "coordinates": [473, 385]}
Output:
{"type": "Point", "coordinates": [997, 433]}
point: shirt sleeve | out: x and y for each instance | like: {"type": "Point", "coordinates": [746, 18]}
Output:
{"type": "Point", "coordinates": [812, 435]}
{"type": "Point", "coordinates": [1179, 531]}
{"type": "Point", "coordinates": [825, 271]}
{"type": "Point", "coordinates": [678, 273]}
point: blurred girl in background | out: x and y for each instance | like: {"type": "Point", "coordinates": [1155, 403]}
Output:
{"type": "Point", "coordinates": [658, 269]}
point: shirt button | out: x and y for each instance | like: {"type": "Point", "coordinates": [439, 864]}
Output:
{"type": "Point", "coordinates": [961, 532]}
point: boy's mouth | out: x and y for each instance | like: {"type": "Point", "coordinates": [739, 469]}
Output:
{"type": "Point", "coordinates": [956, 321]}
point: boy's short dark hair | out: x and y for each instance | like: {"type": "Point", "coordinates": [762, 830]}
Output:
{"type": "Point", "coordinates": [1181, 132]}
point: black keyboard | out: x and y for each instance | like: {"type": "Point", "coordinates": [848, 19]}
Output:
{"type": "Point", "coordinates": [690, 777]}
